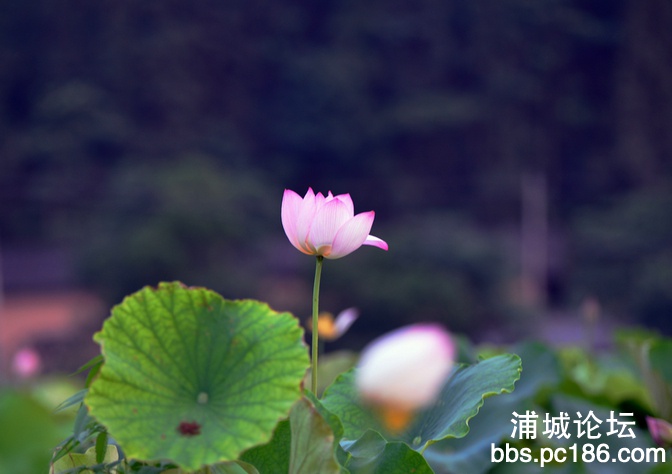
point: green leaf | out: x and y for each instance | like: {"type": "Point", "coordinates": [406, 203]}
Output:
{"type": "Point", "coordinates": [101, 446]}
{"type": "Point", "coordinates": [471, 454]}
{"type": "Point", "coordinates": [94, 362]}
{"type": "Point", "coordinates": [663, 468]}
{"type": "Point", "coordinates": [641, 440]}
{"type": "Point", "coordinates": [399, 458]}
{"type": "Point", "coordinates": [461, 398]}
{"type": "Point", "coordinates": [28, 432]}
{"type": "Point", "coordinates": [71, 401]}
{"type": "Point", "coordinates": [660, 355]}
{"type": "Point", "coordinates": [341, 399]}
{"type": "Point", "coordinates": [605, 378]}
{"type": "Point", "coordinates": [82, 423]}
{"type": "Point", "coordinates": [331, 366]}
{"type": "Point", "coordinates": [312, 445]}
{"type": "Point", "coordinates": [333, 421]}
{"type": "Point", "coordinates": [652, 353]}
{"type": "Point", "coordinates": [658, 375]}
{"type": "Point", "coordinates": [361, 456]}
{"type": "Point", "coordinates": [87, 459]}
{"type": "Point", "coordinates": [234, 467]}
{"type": "Point", "coordinates": [372, 454]}
{"type": "Point", "coordinates": [194, 378]}
{"type": "Point", "coordinates": [370, 445]}
{"type": "Point", "coordinates": [231, 467]}
{"type": "Point", "coordinates": [93, 373]}
{"type": "Point", "coordinates": [459, 401]}
{"type": "Point", "coordinates": [274, 455]}
{"type": "Point", "coordinates": [93, 366]}
{"type": "Point", "coordinates": [304, 444]}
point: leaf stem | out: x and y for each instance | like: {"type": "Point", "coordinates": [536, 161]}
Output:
{"type": "Point", "coordinates": [316, 302]}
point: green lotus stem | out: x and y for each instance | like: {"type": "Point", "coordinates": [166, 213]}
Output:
{"type": "Point", "coordinates": [316, 302]}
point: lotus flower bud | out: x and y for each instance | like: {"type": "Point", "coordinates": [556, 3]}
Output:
{"type": "Point", "coordinates": [661, 431]}
{"type": "Point", "coordinates": [404, 371]}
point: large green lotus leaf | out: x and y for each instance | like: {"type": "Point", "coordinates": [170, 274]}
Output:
{"type": "Point", "coordinates": [194, 378]}
{"type": "Point", "coordinates": [458, 402]}
{"type": "Point", "coordinates": [471, 454]}
{"type": "Point", "coordinates": [462, 397]}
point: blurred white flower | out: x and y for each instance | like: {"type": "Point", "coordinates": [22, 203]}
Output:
{"type": "Point", "coordinates": [404, 370]}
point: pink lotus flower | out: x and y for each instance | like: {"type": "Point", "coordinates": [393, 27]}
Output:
{"type": "Point", "coordinates": [404, 371]}
{"type": "Point", "coordinates": [326, 226]}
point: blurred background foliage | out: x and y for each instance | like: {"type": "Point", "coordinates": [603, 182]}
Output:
{"type": "Point", "coordinates": [33, 429]}
{"type": "Point", "coordinates": [154, 139]}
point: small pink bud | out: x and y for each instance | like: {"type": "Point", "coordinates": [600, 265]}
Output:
{"type": "Point", "coordinates": [26, 363]}
{"type": "Point", "coordinates": [661, 431]}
